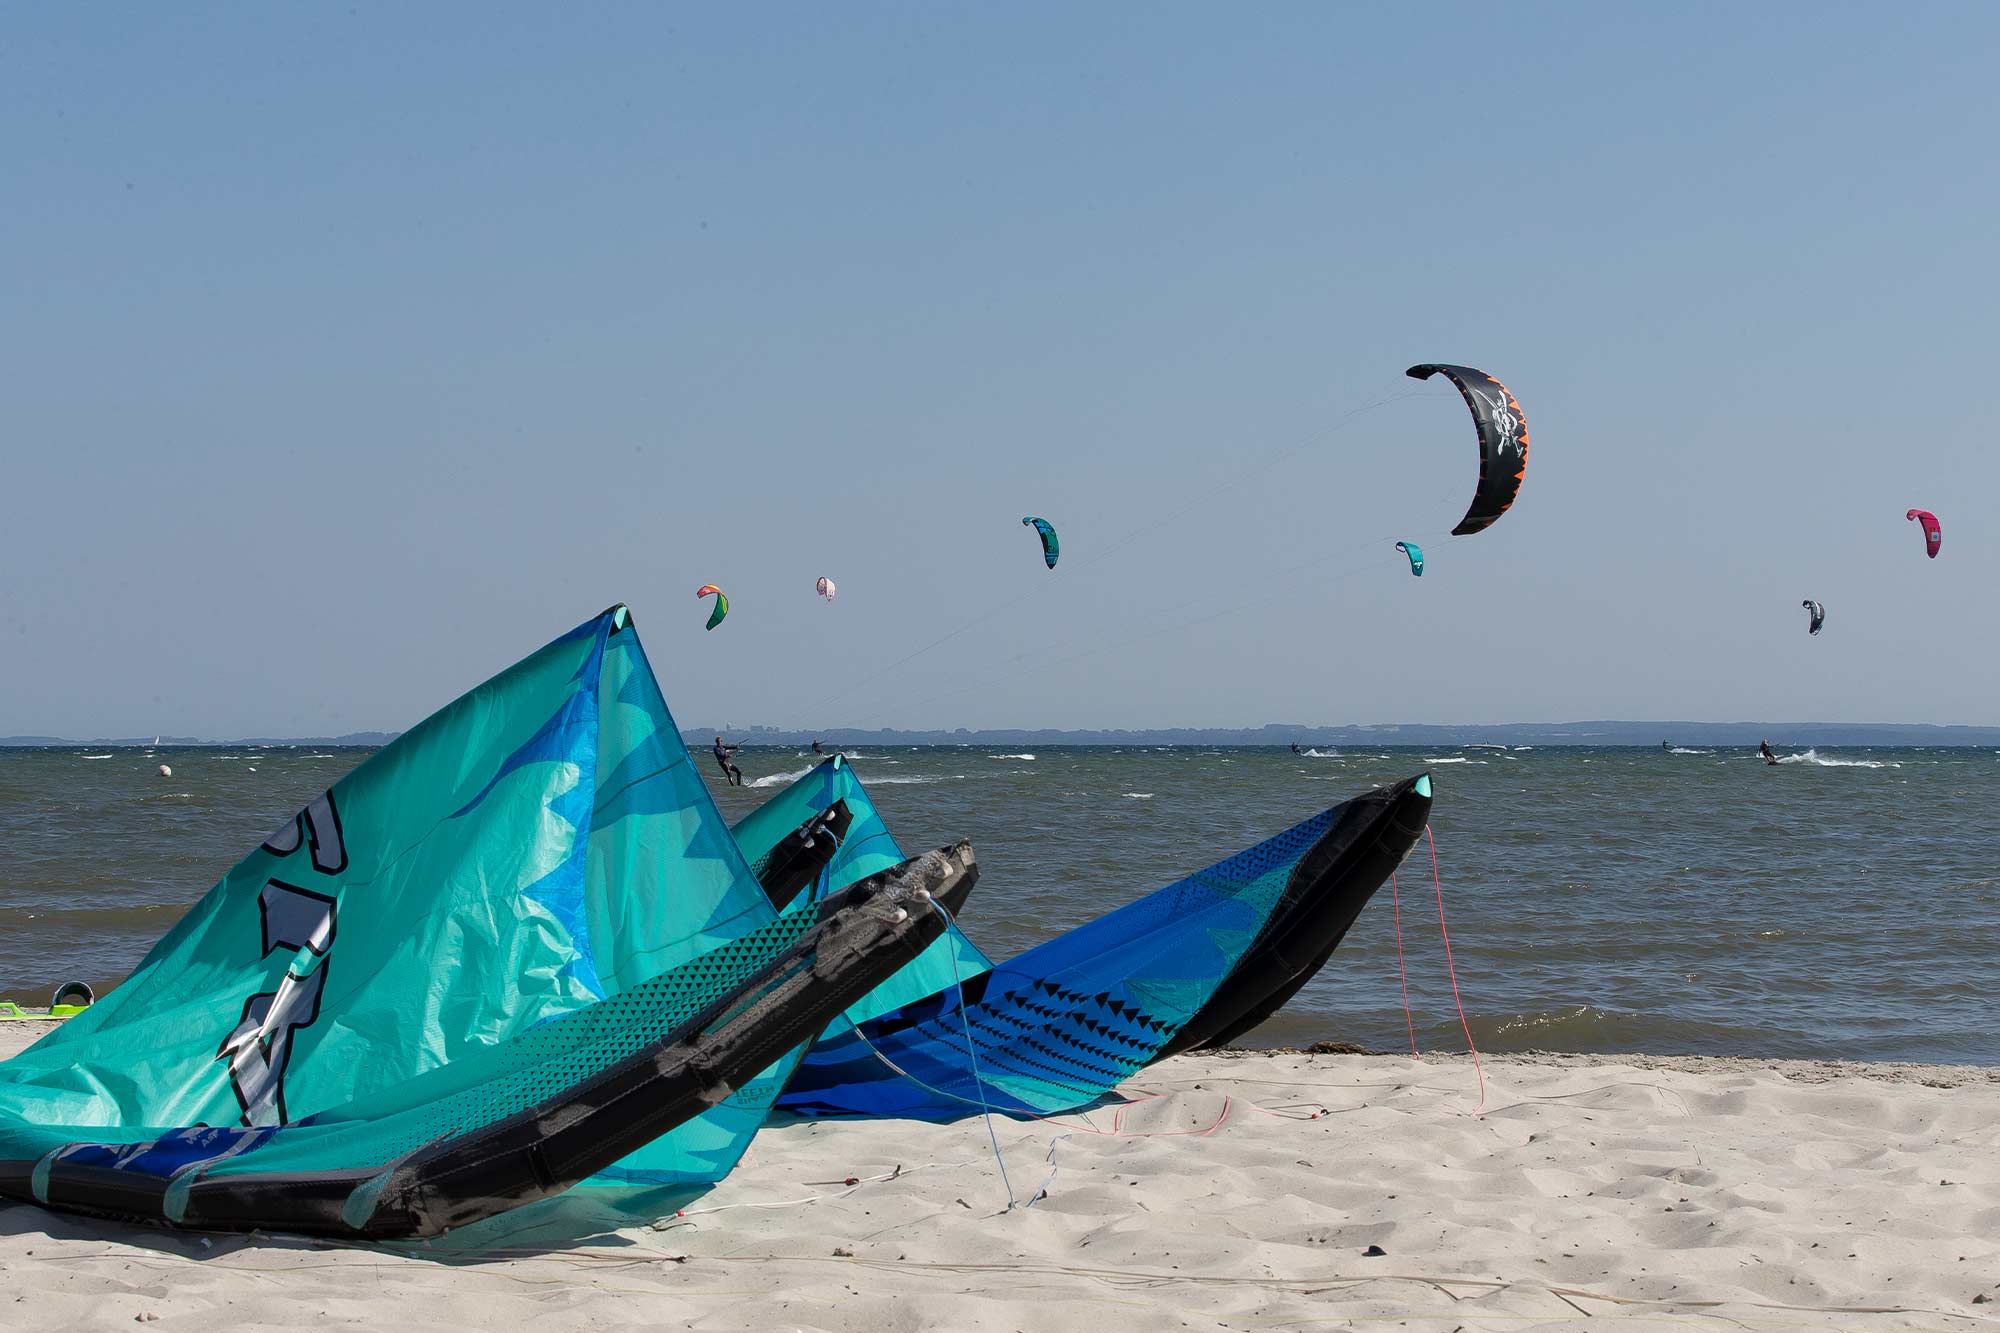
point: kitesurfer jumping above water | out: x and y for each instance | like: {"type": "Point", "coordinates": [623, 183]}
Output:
{"type": "Point", "coordinates": [730, 772]}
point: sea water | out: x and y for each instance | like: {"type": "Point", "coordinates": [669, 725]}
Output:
{"type": "Point", "coordinates": [1843, 903]}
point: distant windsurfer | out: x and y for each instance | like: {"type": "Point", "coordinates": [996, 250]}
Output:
{"type": "Point", "coordinates": [1764, 749]}
{"type": "Point", "coordinates": [730, 772]}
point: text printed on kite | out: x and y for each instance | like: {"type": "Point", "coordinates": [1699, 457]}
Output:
{"type": "Point", "coordinates": [715, 617]}
{"type": "Point", "coordinates": [1050, 547]}
{"type": "Point", "coordinates": [1416, 554]}
{"type": "Point", "coordinates": [1933, 534]}
{"type": "Point", "coordinates": [1503, 442]}
{"type": "Point", "coordinates": [1816, 615]}
{"type": "Point", "coordinates": [824, 587]}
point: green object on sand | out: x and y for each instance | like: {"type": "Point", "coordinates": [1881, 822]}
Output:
{"type": "Point", "coordinates": [71, 998]}
{"type": "Point", "coordinates": [14, 1013]}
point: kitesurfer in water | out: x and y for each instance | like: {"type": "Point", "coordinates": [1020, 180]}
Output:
{"type": "Point", "coordinates": [1764, 749]}
{"type": "Point", "coordinates": [1296, 749]}
{"type": "Point", "coordinates": [730, 772]}
{"type": "Point", "coordinates": [816, 749]}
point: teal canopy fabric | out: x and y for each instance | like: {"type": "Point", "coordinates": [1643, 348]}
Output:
{"type": "Point", "coordinates": [538, 845]}
{"type": "Point", "coordinates": [868, 849]}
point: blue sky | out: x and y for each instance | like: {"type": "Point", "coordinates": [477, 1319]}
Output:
{"type": "Point", "coordinates": [352, 352]}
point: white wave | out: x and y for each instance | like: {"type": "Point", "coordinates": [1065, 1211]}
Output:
{"type": "Point", "coordinates": [914, 782]}
{"type": "Point", "coordinates": [1139, 795]}
{"type": "Point", "coordinates": [777, 779]}
{"type": "Point", "coordinates": [1010, 756]}
{"type": "Point", "coordinates": [93, 756]}
{"type": "Point", "coordinates": [1453, 759]}
{"type": "Point", "coordinates": [1321, 754]}
{"type": "Point", "coordinates": [1524, 747]}
{"type": "Point", "coordinates": [1681, 749]}
{"type": "Point", "coordinates": [1481, 745]}
{"type": "Point", "coordinates": [1817, 760]}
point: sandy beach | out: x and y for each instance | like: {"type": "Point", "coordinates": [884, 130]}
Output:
{"type": "Point", "coordinates": [1233, 1191]}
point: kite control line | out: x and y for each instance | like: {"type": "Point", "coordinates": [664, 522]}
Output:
{"type": "Point", "coordinates": [1450, 968]}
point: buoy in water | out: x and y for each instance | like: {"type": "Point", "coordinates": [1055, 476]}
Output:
{"type": "Point", "coordinates": [166, 772]}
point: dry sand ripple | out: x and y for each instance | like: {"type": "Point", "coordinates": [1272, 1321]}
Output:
{"type": "Point", "coordinates": [1246, 1191]}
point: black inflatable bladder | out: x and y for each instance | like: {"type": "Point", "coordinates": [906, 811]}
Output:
{"type": "Point", "coordinates": [789, 868]}
{"type": "Point", "coordinates": [1328, 888]}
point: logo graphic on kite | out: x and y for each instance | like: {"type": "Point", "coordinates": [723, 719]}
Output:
{"type": "Point", "coordinates": [1503, 442]}
{"type": "Point", "coordinates": [721, 603]}
{"type": "Point", "coordinates": [1050, 547]}
{"type": "Point", "coordinates": [1933, 534]}
{"type": "Point", "coordinates": [1817, 614]}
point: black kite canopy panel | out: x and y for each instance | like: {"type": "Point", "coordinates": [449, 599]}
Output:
{"type": "Point", "coordinates": [1503, 442]}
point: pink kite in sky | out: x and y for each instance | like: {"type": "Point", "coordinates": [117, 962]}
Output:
{"type": "Point", "coordinates": [1933, 534]}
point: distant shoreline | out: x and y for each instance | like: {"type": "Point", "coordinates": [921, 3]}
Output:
{"type": "Point", "coordinates": [1411, 734]}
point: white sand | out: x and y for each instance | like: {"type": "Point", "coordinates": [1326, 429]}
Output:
{"type": "Point", "coordinates": [1686, 1191]}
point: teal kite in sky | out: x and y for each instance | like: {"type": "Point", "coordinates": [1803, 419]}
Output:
{"type": "Point", "coordinates": [1050, 547]}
